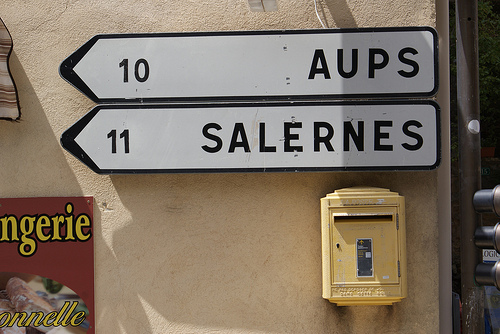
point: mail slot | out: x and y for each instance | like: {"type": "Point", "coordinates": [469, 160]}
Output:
{"type": "Point", "coordinates": [363, 246]}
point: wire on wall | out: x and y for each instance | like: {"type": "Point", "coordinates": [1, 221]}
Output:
{"type": "Point", "coordinates": [317, 13]}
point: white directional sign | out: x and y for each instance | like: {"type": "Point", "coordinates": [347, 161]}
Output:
{"type": "Point", "coordinates": [258, 137]}
{"type": "Point", "coordinates": [273, 65]}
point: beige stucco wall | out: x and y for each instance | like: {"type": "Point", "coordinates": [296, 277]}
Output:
{"type": "Point", "coordinates": [205, 253]}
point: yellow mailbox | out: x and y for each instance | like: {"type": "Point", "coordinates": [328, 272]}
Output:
{"type": "Point", "coordinates": [363, 246]}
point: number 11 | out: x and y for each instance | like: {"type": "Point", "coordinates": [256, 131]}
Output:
{"type": "Point", "coordinates": [125, 135]}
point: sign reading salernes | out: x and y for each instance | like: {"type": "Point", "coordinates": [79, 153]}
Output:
{"type": "Point", "coordinates": [260, 137]}
{"type": "Point", "coordinates": [298, 64]}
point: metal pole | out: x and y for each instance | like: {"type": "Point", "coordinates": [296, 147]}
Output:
{"type": "Point", "coordinates": [446, 324]}
{"type": "Point", "coordinates": [469, 160]}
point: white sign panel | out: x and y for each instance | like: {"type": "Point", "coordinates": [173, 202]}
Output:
{"type": "Point", "coordinates": [258, 137]}
{"type": "Point", "coordinates": [236, 65]}
{"type": "Point", "coordinates": [490, 255]}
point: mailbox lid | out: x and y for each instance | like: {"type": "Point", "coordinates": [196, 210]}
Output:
{"type": "Point", "coordinates": [363, 196]}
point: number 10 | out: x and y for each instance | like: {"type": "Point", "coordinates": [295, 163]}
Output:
{"type": "Point", "coordinates": [137, 75]}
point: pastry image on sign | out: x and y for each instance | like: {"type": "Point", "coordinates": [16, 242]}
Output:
{"type": "Point", "coordinates": [39, 305]}
{"type": "Point", "coordinates": [9, 107]}
{"type": "Point", "coordinates": [47, 272]}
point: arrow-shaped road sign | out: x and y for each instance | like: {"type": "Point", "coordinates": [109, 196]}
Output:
{"type": "Point", "coordinates": [260, 137]}
{"type": "Point", "coordinates": [273, 65]}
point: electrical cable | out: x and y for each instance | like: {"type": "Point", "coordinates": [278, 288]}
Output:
{"type": "Point", "coordinates": [317, 14]}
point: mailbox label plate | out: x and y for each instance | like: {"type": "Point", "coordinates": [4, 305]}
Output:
{"type": "Point", "coordinates": [364, 257]}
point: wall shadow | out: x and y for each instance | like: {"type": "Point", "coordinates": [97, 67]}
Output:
{"type": "Point", "coordinates": [339, 12]}
{"type": "Point", "coordinates": [233, 251]}
{"type": "Point", "coordinates": [32, 160]}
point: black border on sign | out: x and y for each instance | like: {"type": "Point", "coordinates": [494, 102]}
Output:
{"type": "Point", "coordinates": [68, 138]}
{"type": "Point", "coordinates": [67, 65]}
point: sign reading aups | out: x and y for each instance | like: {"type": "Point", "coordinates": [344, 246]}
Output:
{"type": "Point", "coordinates": [242, 65]}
